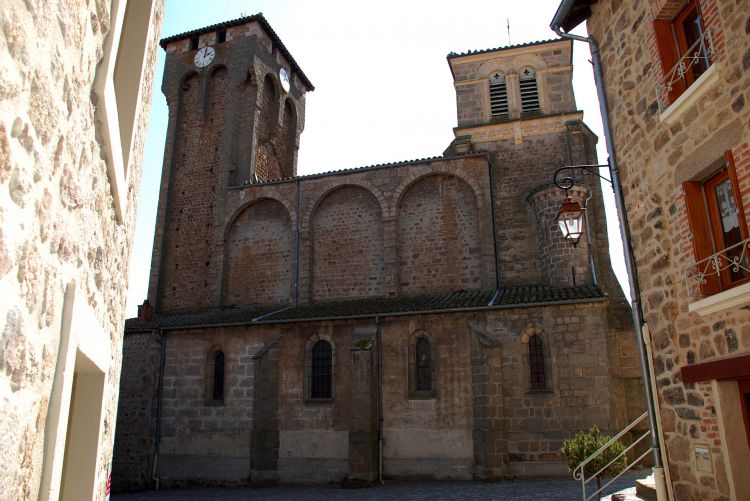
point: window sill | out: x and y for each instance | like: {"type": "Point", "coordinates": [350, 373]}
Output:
{"type": "Point", "coordinates": [319, 401]}
{"type": "Point", "coordinates": [540, 392]}
{"type": "Point", "coordinates": [214, 403]}
{"type": "Point", "coordinates": [691, 95]}
{"type": "Point", "coordinates": [423, 396]}
{"type": "Point", "coordinates": [731, 298]}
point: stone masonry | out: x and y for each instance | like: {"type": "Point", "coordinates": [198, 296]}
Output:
{"type": "Point", "coordinates": [658, 149]}
{"type": "Point", "coordinates": [65, 239]}
{"type": "Point", "coordinates": [427, 279]}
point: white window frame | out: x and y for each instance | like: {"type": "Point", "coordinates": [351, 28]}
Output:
{"type": "Point", "coordinates": [119, 93]}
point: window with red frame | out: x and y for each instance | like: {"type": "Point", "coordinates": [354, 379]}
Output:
{"type": "Point", "coordinates": [678, 37]}
{"type": "Point", "coordinates": [717, 222]}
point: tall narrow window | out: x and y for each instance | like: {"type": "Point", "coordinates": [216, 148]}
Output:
{"type": "Point", "coordinates": [498, 95]}
{"type": "Point", "coordinates": [536, 363]}
{"type": "Point", "coordinates": [215, 377]}
{"type": "Point", "coordinates": [423, 365]}
{"type": "Point", "coordinates": [529, 90]}
{"type": "Point", "coordinates": [218, 386]}
{"type": "Point", "coordinates": [321, 371]}
{"type": "Point", "coordinates": [422, 375]}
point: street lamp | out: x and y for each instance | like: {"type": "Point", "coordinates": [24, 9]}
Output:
{"type": "Point", "coordinates": [570, 219]}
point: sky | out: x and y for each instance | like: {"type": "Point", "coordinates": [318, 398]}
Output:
{"type": "Point", "coordinates": [383, 88]}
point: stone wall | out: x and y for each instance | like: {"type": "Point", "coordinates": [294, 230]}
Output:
{"type": "Point", "coordinates": [347, 246]}
{"type": "Point", "coordinates": [260, 253]}
{"type": "Point", "coordinates": [657, 151]}
{"type": "Point", "coordinates": [483, 419]}
{"type": "Point", "coordinates": [136, 413]}
{"type": "Point", "coordinates": [359, 236]}
{"type": "Point", "coordinates": [230, 124]}
{"type": "Point", "coordinates": [59, 229]}
{"type": "Point", "coordinates": [399, 223]}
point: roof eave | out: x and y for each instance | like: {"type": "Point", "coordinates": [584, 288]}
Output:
{"type": "Point", "coordinates": [571, 13]}
{"type": "Point", "coordinates": [259, 18]}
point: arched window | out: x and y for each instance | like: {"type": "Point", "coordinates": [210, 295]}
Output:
{"type": "Point", "coordinates": [321, 380]}
{"type": "Point", "coordinates": [215, 376]}
{"type": "Point", "coordinates": [529, 90]}
{"type": "Point", "coordinates": [423, 365]}
{"type": "Point", "coordinates": [498, 95]}
{"type": "Point", "coordinates": [537, 375]}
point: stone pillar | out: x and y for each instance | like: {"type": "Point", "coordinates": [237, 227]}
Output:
{"type": "Point", "coordinates": [562, 264]}
{"type": "Point", "coordinates": [489, 431]}
{"type": "Point", "coordinates": [264, 437]}
{"type": "Point", "coordinates": [363, 436]}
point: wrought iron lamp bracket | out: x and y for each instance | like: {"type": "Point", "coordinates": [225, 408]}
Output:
{"type": "Point", "coordinates": [566, 182]}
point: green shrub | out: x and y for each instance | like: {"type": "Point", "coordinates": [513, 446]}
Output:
{"type": "Point", "coordinates": [584, 444]}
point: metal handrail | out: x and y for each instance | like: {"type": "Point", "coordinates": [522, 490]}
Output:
{"type": "Point", "coordinates": [701, 50]}
{"type": "Point", "coordinates": [578, 472]}
{"type": "Point", "coordinates": [715, 264]}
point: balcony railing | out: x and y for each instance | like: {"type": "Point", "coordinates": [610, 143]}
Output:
{"type": "Point", "coordinates": [733, 259]}
{"type": "Point", "coordinates": [699, 54]}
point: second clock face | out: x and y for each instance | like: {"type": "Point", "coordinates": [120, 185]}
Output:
{"type": "Point", "coordinates": [204, 57]}
{"type": "Point", "coordinates": [284, 77]}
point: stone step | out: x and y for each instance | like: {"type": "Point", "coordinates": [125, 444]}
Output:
{"type": "Point", "coordinates": [646, 488]}
{"type": "Point", "coordinates": [628, 494]}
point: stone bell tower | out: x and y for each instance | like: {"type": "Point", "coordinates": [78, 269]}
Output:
{"type": "Point", "coordinates": [236, 100]}
{"type": "Point", "coordinates": [517, 104]}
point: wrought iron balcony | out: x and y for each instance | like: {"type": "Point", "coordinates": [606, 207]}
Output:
{"type": "Point", "coordinates": [696, 58]}
{"type": "Point", "coordinates": [734, 259]}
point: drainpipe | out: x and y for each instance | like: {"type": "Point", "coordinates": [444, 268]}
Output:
{"type": "Point", "coordinates": [594, 278]}
{"type": "Point", "coordinates": [159, 337]}
{"type": "Point", "coordinates": [592, 267]}
{"type": "Point", "coordinates": [630, 265]}
{"type": "Point", "coordinates": [494, 229]}
{"type": "Point", "coordinates": [297, 247]}
{"type": "Point", "coordinates": [380, 399]}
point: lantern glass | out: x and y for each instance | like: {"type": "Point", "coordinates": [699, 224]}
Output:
{"type": "Point", "coordinates": [570, 219]}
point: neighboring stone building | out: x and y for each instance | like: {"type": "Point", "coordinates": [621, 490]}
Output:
{"type": "Point", "coordinates": [296, 324]}
{"type": "Point", "coordinates": [683, 148]}
{"type": "Point", "coordinates": [72, 128]}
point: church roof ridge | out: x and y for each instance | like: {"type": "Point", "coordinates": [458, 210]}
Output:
{"type": "Point", "coordinates": [452, 55]}
{"type": "Point", "coordinates": [244, 20]}
{"type": "Point", "coordinates": [398, 163]}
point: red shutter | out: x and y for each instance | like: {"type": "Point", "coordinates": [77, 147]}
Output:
{"type": "Point", "coordinates": [668, 54]}
{"type": "Point", "coordinates": [701, 230]}
{"type": "Point", "coordinates": [736, 190]}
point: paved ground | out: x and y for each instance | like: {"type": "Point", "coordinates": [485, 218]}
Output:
{"type": "Point", "coordinates": [516, 490]}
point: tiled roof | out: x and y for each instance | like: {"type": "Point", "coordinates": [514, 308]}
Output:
{"type": "Point", "coordinates": [531, 294]}
{"type": "Point", "coordinates": [381, 306]}
{"type": "Point", "coordinates": [507, 47]}
{"type": "Point", "coordinates": [208, 316]}
{"type": "Point", "coordinates": [244, 20]}
{"type": "Point", "coordinates": [506, 297]}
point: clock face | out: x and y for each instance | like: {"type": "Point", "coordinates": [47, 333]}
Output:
{"type": "Point", "coordinates": [204, 57]}
{"type": "Point", "coordinates": [284, 77]}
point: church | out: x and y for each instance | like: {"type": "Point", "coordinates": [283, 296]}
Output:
{"type": "Point", "coordinates": [420, 319]}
